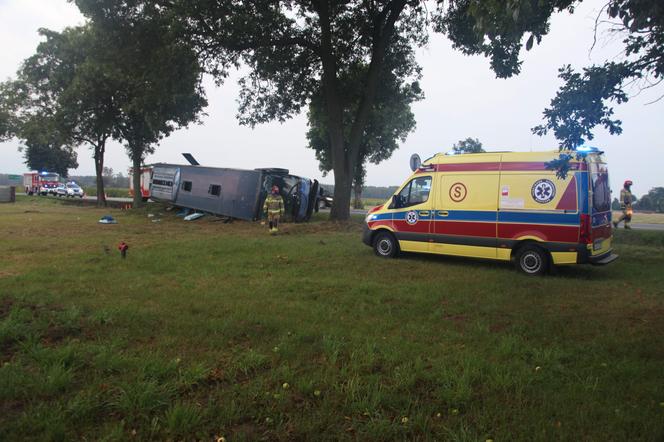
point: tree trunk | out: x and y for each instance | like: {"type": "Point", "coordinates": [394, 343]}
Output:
{"type": "Point", "coordinates": [357, 190]}
{"type": "Point", "coordinates": [342, 173]}
{"type": "Point", "coordinates": [341, 204]}
{"type": "Point", "coordinates": [136, 178]}
{"type": "Point", "coordinates": [99, 169]}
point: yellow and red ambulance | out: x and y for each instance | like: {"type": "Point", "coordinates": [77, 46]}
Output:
{"type": "Point", "coordinates": [500, 205]}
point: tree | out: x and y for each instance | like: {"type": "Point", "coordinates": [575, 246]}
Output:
{"type": "Point", "coordinates": [653, 200]}
{"type": "Point", "coordinates": [45, 148]}
{"type": "Point", "coordinates": [581, 103]}
{"type": "Point", "coordinates": [72, 81]}
{"type": "Point", "coordinates": [161, 80]}
{"type": "Point", "coordinates": [30, 119]}
{"type": "Point", "coordinates": [6, 126]}
{"type": "Point", "coordinates": [297, 49]}
{"type": "Point", "coordinates": [390, 123]}
{"type": "Point", "coordinates": [107, 176]}
{"type": "Point", "coordinates": [469, 145]}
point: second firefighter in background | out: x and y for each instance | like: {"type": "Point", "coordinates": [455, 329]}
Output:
{"type": "Point", "coordinates": [273, 208]}
{"type": "Point", "coordinates": [625, 205]}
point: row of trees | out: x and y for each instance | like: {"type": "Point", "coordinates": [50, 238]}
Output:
{"type": "Point", "coordinates": [133, 72]}
{"type": "Point", "coordinates": [132, 80]}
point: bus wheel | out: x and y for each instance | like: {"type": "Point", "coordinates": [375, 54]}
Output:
{"type": "Point", "coordinates": [532, 260]}
{"type": "Point", "coordinates": [385, 245]}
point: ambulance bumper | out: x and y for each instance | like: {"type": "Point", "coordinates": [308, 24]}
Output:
{"type": "Point", "coordinates": [599, 260]}
{"type": "Point", "coordinates": [366, 235]}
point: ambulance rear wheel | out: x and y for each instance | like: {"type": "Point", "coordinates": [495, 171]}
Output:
{"type": "Point", "coordinates": [385, 245]}
{"type": "Point", "coordinates": [532, 260]}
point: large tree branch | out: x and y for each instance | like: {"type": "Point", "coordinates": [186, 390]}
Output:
{"type": "Point", "coordinates": [330, 86]}
{"type": "Point", "coordinates": [384, 26]}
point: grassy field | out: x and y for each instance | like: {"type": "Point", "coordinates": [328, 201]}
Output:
{"type": "Point", "coordinates": [111, 192]}
{"type": "Point", "coordinates": [640, 217]}
{"type": "Point", "coordinates": [212, 330]}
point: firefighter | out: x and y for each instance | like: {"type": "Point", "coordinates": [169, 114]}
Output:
{"type": "Point", "coordinates": [273, 209]}
{"type": "Point", "coordinates": [625, 205]}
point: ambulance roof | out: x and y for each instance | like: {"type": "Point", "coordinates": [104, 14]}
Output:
{"type": "Point", "coordinates": [443, 158]}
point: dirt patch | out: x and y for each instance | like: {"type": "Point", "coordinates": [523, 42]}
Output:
{"type": "Point", "coordinates": [498, 327]}
{"type": "Point", "coordinates": [5, 305]}
{"type": "Point", "coordinates": [8, 274]}
{"type": "Point", "coordinates": [457, 319]}
{"type": "Point", "coordinates": [55, 334]}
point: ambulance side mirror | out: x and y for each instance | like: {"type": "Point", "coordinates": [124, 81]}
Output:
{"type": "Point", "coordinates": [395, 202]}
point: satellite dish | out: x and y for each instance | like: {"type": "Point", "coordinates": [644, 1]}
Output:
{"type": "Point", "coordinates": [415, 162]}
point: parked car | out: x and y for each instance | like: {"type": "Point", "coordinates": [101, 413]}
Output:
{"type": "Point", "coordinates": [325, 200]}
{"type": "Point", "coordinates": [74, 190]}
{"type": "Point", "coordinates": [60, 190]}
{"type": "Point", "coordinates": [47, 189]}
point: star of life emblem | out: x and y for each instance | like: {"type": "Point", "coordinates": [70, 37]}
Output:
{"type": "Point", "coordinates": [543, 191]}
{"type": "Point", "coordinates": [411, 217]}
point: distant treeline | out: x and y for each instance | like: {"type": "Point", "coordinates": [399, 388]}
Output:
{"type": "Point", "coordinates": [117, 180]}
{"type": "Point", "coordinates": [367, 191]}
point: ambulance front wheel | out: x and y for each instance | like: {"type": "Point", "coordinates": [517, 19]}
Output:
{"type": "Point", "coordinates": [532, 260]}
{"type": "Point", "coordinates": [385, 245]}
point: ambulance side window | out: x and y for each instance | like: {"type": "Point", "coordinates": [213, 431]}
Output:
{"type": "Point", "coordinates": [415, 192]}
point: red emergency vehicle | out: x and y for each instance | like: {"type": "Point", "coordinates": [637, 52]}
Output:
{"type": "Point", "coordinates": [41, 183]}
{"type": "Point", "coordinates": [146, 176]}
{"type": "Point", "coordinates": [31, 182]}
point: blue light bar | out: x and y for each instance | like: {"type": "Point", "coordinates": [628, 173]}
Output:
{"type": "Point", "coordinates": [587, 149]}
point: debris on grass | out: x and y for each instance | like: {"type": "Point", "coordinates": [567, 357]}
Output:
{"type": "Point", "coordinates": [107, 219]}
{"type": "Point", "coordinates": [194, 216]}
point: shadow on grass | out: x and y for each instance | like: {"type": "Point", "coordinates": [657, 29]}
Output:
{"type": "Point", "coordinates": [580, 271]}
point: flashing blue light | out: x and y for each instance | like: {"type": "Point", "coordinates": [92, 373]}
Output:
{"type": "Point", "coordinates": [587, 149]}
{"type": "Point", "coordinates": [44, 173]}
{"type": "Point", "coordinates": [451, 152]}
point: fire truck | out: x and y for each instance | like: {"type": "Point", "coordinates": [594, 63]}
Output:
{"type": "Point", "coordinates": [41, 183]}
{"type": "Point", "coordinates": [146, 176]}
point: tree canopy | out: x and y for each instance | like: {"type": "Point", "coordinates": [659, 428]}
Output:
{"type": "Point", "coordinates": [334, 57]}
{"type": "Point", "coordinates": [160, 88]}
{"type": "Point", "coordinates": [653, 200]}
{"type": "Point", "coordinates": [45, 148]}
{"type": "Point", "coordinates": [71, 84]}
{"type": "Point", "coordinates": [301, 54]}
{"type": "Point", "coordinates": [583, 101]}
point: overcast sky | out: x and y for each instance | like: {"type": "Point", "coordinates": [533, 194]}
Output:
{"type": "Point", "coordinates": [463, 99]}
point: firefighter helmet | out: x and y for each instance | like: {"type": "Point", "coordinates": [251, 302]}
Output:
{"type": "Point", "coordinates": [628, 183]}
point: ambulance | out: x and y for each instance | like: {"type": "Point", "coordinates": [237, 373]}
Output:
{"type": "Point", "coordinates": [507, 206]}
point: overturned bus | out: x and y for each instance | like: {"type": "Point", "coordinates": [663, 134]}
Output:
{"type": "Point", "coordinates": [234, 193]}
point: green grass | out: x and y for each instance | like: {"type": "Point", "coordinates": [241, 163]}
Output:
{"type": "Point", "coordinates": [111, 192]}
{"type": "Point", "coordinates": [640, 217]}
{"type": "Point", "coordinates": [210, 329]}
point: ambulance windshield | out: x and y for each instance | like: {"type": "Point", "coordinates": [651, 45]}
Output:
{"type": "Point", "coordinates": [415, 192]}
{"type": "Point", "coordinates": [601, 198]}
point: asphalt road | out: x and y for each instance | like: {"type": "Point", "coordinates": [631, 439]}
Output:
{"type": "Point", "coordinates": [646, 226]}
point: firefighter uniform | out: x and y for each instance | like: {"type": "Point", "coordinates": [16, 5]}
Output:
{"type": "Point", "coordinates": [625, 205]}
{"type": "Point", "coordinates": [273, 209]}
